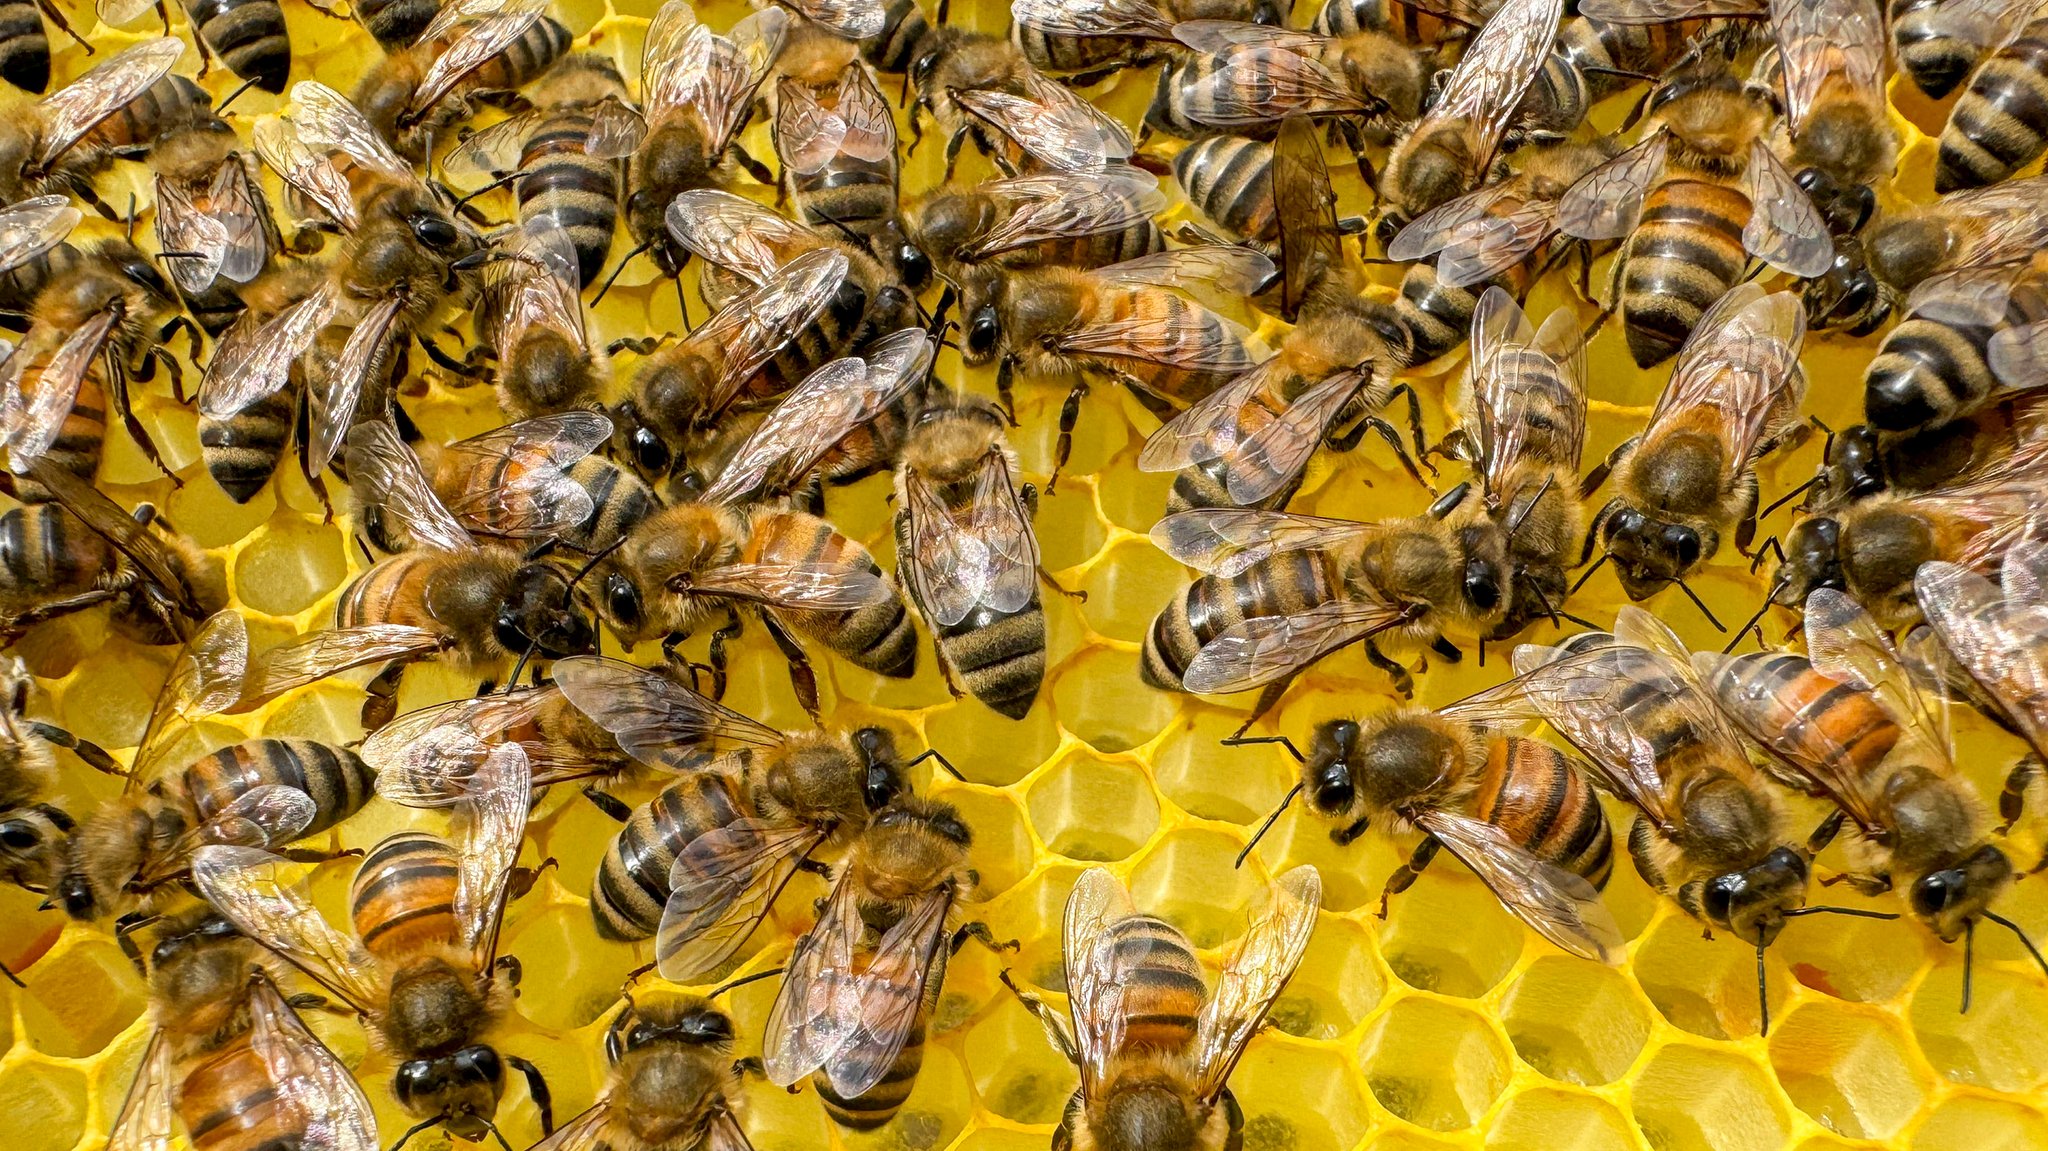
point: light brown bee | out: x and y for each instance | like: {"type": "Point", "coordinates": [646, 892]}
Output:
{"type": "Point", "coordinates": [61, 142]}
{"type": "Point", "coordinates": [531, 315]}
{"type": "Point", "coordinates": [673, 1084]}
{"type": "Point", "coordinates": [212, 214]}
{"type": "Point", "coordinates": [1154, 1044]}
{"type": "Point", "coordinates": [1098, 40]}
{"type": "Point", "coordinates": [1967, 336]}
{"type": "Point", "coordinates": [536, 480]}
{"type": "Point", "coordinates": [1976, 228]}
{"type": "Point", "coordinates": [1831, 67]}
{"type": "Point", "coordinates": [1939, 44]}
{"type": "Point", "coordinates": [468, 53]}
{"type": "Point", "coordinates": [1247, 78]}
{"type": "Point", "coordinates": [980, 87]}
{"type": "Point", "coordinates": [421, 966]}
{"type": "Point", "coordinates": [228, 1059]}
{"type": "Point", "coordinates": [839, 166]}
{"type": "Point", "coordinates": [242, 437]}
{"type": "Point", "coordinates": [1419, 24]}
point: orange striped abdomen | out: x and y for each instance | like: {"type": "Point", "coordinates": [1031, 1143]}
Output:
{"type": "Point", "coordinates": [228, 1101]}
{"type": "Point", "coordinates": [1533, 792]}
{"type": "Point", "coordinates": [1165, 990]}
{"type": "Point", "coordinates": [336, 779]}
{"type": "Point", "coordinates": [1184, 328]}
{"type": "Point", "coordinates": [1277, 585]}
{"type": "Point", "coordinates": [880, 1103]}
{"type": "Point", "coordinates": [878, 637]}
{"type": "Point", "coordinates": [403, 897]}
{"type": "Point", "coordinates": [1803, 714]}
{"type": "Point", "coordinates": [1686, 251]}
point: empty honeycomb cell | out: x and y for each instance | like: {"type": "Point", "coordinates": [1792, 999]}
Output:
{"type": "Point", "coordinates": [44, 1104]}
{"type": "Point", "coordinates": [1576, 1021]}
{"type": "Point", "coordinates": [1069, 530]}
{"type": "Point", "coordinates": [1690, 1098]}
{"type": "Point", "coordinates": [1337, 984]}
{"type": "Point", "coordinates": [937, 1109]}
{"type": "Point", "coordinates": [1135, 502]}
{"type": "Point", "coordinates": [287, 566]}
{"type": "Point", "coordinates": [1124, 589]}
{"type": "Point", "coordinates": [1706, 986]}
{"type": "Point", "coordinates": [1541, 1119]}
{"type": "Point", "coordinates": [1097, 696]}
{"type": "Point", "coordinates": [1209, 781]}
{"type": "Point", "coordinates": [580, 985]}
{"type": "Point", "coordinates": [778, 1120]}
{"type": "Point", "coordinates": [1016, 1072]}
{"type": "Point", "coordinates": [1393, 1138]}
{"type": "Point", "coordinates": [1449, 934]}
{"type": "Point", "coordinates": [1969, 1123]}
{"type": "Point", "coordinates": [1189, 878]}
{"type": "Point", "coordinates": [205, 513]}
{"type": "Point", "coordinates": [1032, 913]}
{"type": "Point", "coordinates": [1092, 809]}
{"type": "Point", "coordinates": [1298, 1097]}
{"type": "Point", "coordinates": [82, 994]}
{"type": "Point", "coordinates": [1862, 960]}
{"type": "Point", "coordinates": [110, 707]}
{"type": "Point", "coordinates": [988, 748]}
{"type": "Point", "coordinates": [1853, 1070]}
{"type": "Point", "coordinates": [2001, 1044]}
{"type": "Point", "coordinates": [1434, 1064]}
{"type": "Point", "coordinates": [1002, 853]}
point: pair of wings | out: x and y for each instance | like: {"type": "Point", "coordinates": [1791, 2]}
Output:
{"type": "Point", "coordinates": [1264, 437]}
{"type": "Point", "coordinates": [1103, 964]}
{"type": "Point", "coordinates": [1140, 19]}
{"type": "Point", "coordinates": [980, 552]}
{"type": "Point", "coordinates": [39, 383]}
{"type": "Point", "coordinates": [259, 893]}
{"type": "Point", "coordinates": [532, 282]}
{"type": "Point", "coordinates": [65, 116]}
{"type": "Point", "coordinates": [859, 125]}
{"type": "Point", "coordinates": [1997, 633]}
{"type": "Point", "coordinates": [225, 223]}
{"type": "Point", "coordinates": [34, 226]}
{"type": "Point", "coordinates": [1053, 129]}
{"type": "Point", "coordinates": [1527, 390]}
{"type": "Point", "coordinates": [1258, 74]}
{"type": "Point", "coordinates": [1053, 206]}
{"type": "Point", "coordinates": [687, 69]}
{"type": "Point", "coordinates": [1484, 91]}
{"type": "Point", "coordinates": [1482, 233]}
{"type": "Point", "coordinates": [1268, 649]}
{"type": "Point", "coordinates": [824, 409]}
{"type": "Point", "coordinates": [592, 1131]}
{"type": "Point", "coordinates": [1784, 229]}
{"type": "Point", "coordinates": [328, 1110]}
{"type": "Point", "coordinates": [751, 328]}
{"type": "Point", "coordinates": [511, 481]}
{"type": "Point", "coordinates": [1742, 360]}
{"type": "Point", "coordinates": [1151, 333]}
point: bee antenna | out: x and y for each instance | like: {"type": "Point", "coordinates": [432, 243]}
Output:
{"type": "Point", "coordinates": [1700, 604]}
{"type": "Point", "coordinates": [495, 1133]}
{"type": "Point", "coordinates": [743, 980]}
{"type": "Point", "coordinates": [1763, 995]}
{"type": "Point", "coordinates": [1753, 620]}
{"type": "Point", "coordinates": [11, 976]}
{"type": "Point", "coordinates": [1605, 556]}
{"type": "Point", "coordinates": [234, 95]}
{"type": "Point", "coordinates": [512, 681]}
{"type": "Point", "coordinates": [1781, 501]}
{"type": "Point", "coordinates": [1829, 909]}
{"type": "Point", "coordinates": [1266, 826]}
{"type": "Point", "coordinates": [849, 233]}
{"type": "Point", "coordinates": [615, 271]}
{"type": "Point", "coordinates": [1969, 961]}
{"type": "Point", "coordinates": [589, 566]}
{"type": "Point", "coordinates": [415, 1129]}
{"type": "Point", "coordinates": [494, 184]}
{"type": "Point", "coordinates": [2015, 928]}
{"type": "Point", "coordinates": [933, 754]}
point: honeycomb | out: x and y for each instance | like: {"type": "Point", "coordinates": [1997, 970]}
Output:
{"type": "Point", "coordinates": [1445, 1026]}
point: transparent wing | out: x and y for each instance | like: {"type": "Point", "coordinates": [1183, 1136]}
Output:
{"type": "Point", "coordinates": [388, 474]}
{"type": "Point", "coordinates": [655, 719]}
{"type": "Point", "coordinates": [616, 131]}
{"type": "Point", "coordinates": [308, 171]}
{"type": "Point", "coordinates": [869, 119]}
{"type": "Point", "coordinates": [892, 992]}
{"type": "Point", "coordinates": [1141, 18]}
{"type": "Point", "coordinates": [586, 1132]}
{"type": "Point", "coordinates": [493, 816]}
{"type": "Point", "coordinates": [236, 201]}
{"type": "Point", "coordinates": [67, 114]}
{"type": "Point", "coordinates": [333, 402]}
{"type": "Point", "coordinates": [520, 472]}
{"type": "Point", "coordinates": [1485, 89]}
{"type": "Point", "coordinates": [1304, 211]}
{"type": "Point", "coordinates": [1526, 390]}
{"type": "Point", "coordinates": [493, 151]}
{"type": "Point", "coordinates": [1822, 39]}
{"type": "Point", "coordinates": [736, 67]}
{"type": "Point", "coordinates": [1984, 23]}
{"type": "Point", "coordinates": [1253, 85]}
{"type": "Point", "coordinates": [254, 889]}
{"type": "Point", "coordinates": [32, 227]}
{"type": "Point", "coordinates": [803, 587]}
{"type": "Point", "coordinates": [1253, 977]}
{"type": "Point", "coordinates": [55, 390]}
{"type": "Point", "coordinates": [532, 283]}
{"type": "Point", "coordinates": [725, 1134]}
{"type": "Point", "coordinates": [982, 553]}
{"type": "Point", "coordinates": [1845, 643]}
{"type": "Point", "coordinates": [477, 44]}
{"type": "Point", "coordinates": [253, 360]}
{"type": "Point", "coordinates": [1100, 968]}
{"type": "Point", "coordinates": [673, 59]}
{"type": "Point", "coordinates": [849, 19]}
{"type": "Point", "coordinates": [722, 884]}
{"type": "Point", "coordinates": [1052, 126]}
{"type": "Point", "coordinates": [206, 678]}
{"type": "Point", "coordinates": [325, 120]}
{"type": "Point", "coordinates": [429, 757]}
{"type": "Point", "coordinates": [1785, 230]}
{"type": "Point", "coordinates": [735, 233]}
{"type": "Point", "coordinates": [314, 657]}
{"type": "Point", "coordinates": [265, 816]}
{"type": "Point", "coordinates": [818, 1008]}
{"type": "Point", "coordinates": [1063, 205]}
{"type": "Point", "coordinates": [1741, 360]}
{"type": "Point", "coordinates": [1159, 336]}
{"type": "Point", "coordinates": [807, 135]}
{"type": "Point", "coordinates": [1667, 11]}
{"type": "Point", "coordinates": [330, 1108]}
{"type": "Point", "coordinates": [1582, 696]}
{"type": "Point", "coordinates": [1606, 202]}
{"type": "Point", "coordinates": [148, 1119]}
{"type": "Point", "coordinates": [1268, 649]}
{"type": "Point", "coordinates": [1226, 541]}
{"type": "Point", "coordinates": [749, 330]}
{"type": "Point", "coordinates": [1976, 626]}
{"type": "Point", "coordinates": [1563, 908]}
{"type": "Point", "coordinates": [1207, 270]}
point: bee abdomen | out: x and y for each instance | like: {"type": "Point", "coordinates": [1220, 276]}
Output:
{"type": "Point", "coordinates": [904, 25]}
{"type": "Point", "coordinates": [1783, 694]}
{"type": "Point", "coordinates": [46, 550]}
{"type": "Point", "coordinates": [1684, 254]}
{"type": "Point", "coordinates": [242, 451]}
{"type": "Point", "coordinates": [619, 501]}
{"type": "Point", "coordinates": [231, 1102]}
{"type": "Point", "coordinates": [878, 637]}
{"type": "Point", "coordinates": [1164, 988]}
{"type": "Point", "coordinates": [24, 48]}
{"type": "Point", "coordinates": [1278, 585]}
{"type": "Point", "coordinates": [2001, 122]}
{"type": "Point", "coordinates": [403, 897]}
{"type": "Point", "coordinates": [879, 1103]}
{"type": "Point", "coordinates": [632, 881]}
{"type": "Point", "coordinates": [1000, 659]}
{"type": "Point", "coordinates": [81, 437]}
{"type": "Point", "coordinates": [337, 780]}
{"type": "Point", "coordinates": [1936, 61]}
{"type": "Point", "coordinates": [397, 23]}
{"type": "Point", "coordinates": [1531, 791]}
{"type": "Point", "coordinates": [565, 185]}
{"type": "Point", "coordinates": [1229, 180]}
{"type": "Point", "coordinates": [1057, 53]}
{"type": "Point", "coordinates": [1436, 315]}
{"type": "Point", "coordinates": [1926, 372]}
{"type": "Point", "coordinates": [249, 35]}
{"type": "Point", "coordinates": [525, 59]}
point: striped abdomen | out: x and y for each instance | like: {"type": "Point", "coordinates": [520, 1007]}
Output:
{"type": "Point", "coordinates": [249, 35]}
{"type": "Point", "coordinates": [1536, 794]}
{"type": "Point", "coordinates": [392, 591]}
{"type": "Point", "coordinates": [1685, 252]}
{"type": "Point", "coordinates": [1936, 59]}
{"type": "Point", "coordinates": [1438, 317]}
{"type": "Point", "coordinates": [632, 881]}
{"type": "Point", "coordinates": [403, 897]}
{"type": "Point", "coordinates": [2000, 123]}
{"type": "Point", "coordinates": [620, 501]}
{"type": "Point", "coordinates": [1558, 99]}
{"type": "Point", "coordinates": [1674, 734]}
{"type": "Point", "coordinates": [819, 342]}
{"type": "Point", "coordinates": [878, 637]}
{"type": "Point", "coordinates": [1803, 715]}
{"type": "Point", "coordinates": [1600, 50]}
{"type": "Point", "coordinates": [83, 433]}
{"type": "Point", "coordinates": [20, 285]}
{"type": "Point", "coordinates": [46, 553]}
{"type": "Point", "coordinates": [1181, 108]}
{"type": "Point", "coordinates": [1056, 53]}
{"type": "Point", "coordinates": [229, 1100]}
{"type": "Point", "coordinates": [565, 185]}
{"type": "Point", "coordinates": [524, 60]}
{"type": "Point", "coordinates": [337, 780]}
{"type": "Point", "coordinates": [1277, 585]}
{"type": "Point", "coordinates": [1206, 485]}
{"type": "Point", "coordinates": [848, 192]}
{"type": "Point", "coordinates": [396, 23]}
{"type": "Point", "coordinates": [1927, 372]}
{"type": "Point", "coordinates": [1187, 332]}
{"type": "Point", "coordinates": [999, 659]}
{"type": "Point", "coordinates": [1229, 179]}
{"type": "Point", "coordinates": [880, 1103]}
{"type": "Point", "coordinates": [172, 102]}
{"type": "Point", "coordinates": [1163, 989]}
{"type": "Point", "coordinates": [24, 47]}
{"type": "Point", "coordinates": [904, 25]}
{"type": "Point", "coordinates": [1418, 26]}
{"type": "Point", "coordinates": [242, 451]}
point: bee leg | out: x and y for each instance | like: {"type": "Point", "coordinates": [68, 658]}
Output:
{"type": "Point", "coordinates": [537, 1088]}
{"type": "Point", "coordinates": [1605, 467]}
{"type": "Point", "coordinates": [1346, 835]}
{"type": "Point", "coordinates": [182, 323]}
{"type": "Point", "coordinates": [106, 211]}
{"type": "Point", "coordinates": [12, 627]}
{"type": "Point", "coordinates": [380, 696]}
{"type": "Point", "coordinates": [2012, 798]}
{"type": "Point", "coordinates": [1055, 1026]}
{"type": "Point", "coordinates": [54, 16]}
{"type": "Point", "coordinates": [1386, 432]}
{"type": "Point", "coordinates": [750, 1066]}
{"type": "Point", "coordinates": [1005, 372]}
{"type": "Point", "coordinates": [608, 804]}
{"type": "Point", "coordinates": [314, 855]}
{"type": "Point", "coordinates": [953, 145]}
{"type": "Point", "coordinates": [719, 639]}
{"type": "Point", "coordinates": [444, 360]}
{"type": "Point", "coordinates": [755, 168]}
{"type": "Point", "coordinates": [1825, 833]}
{"type": "Point", "coordinates": [979, 932]}
{"type": "Point", "coordinates": [523, 879]}
{"type": "Point", "coordinates": [1070, 412]}
{"type": "Point", "coordinates": [801, 677]}
{"type": "Point", "coordinates": [1445, 648]}
{"type": "Point", "coordinates": [1404, 876]}
{"type": "Point", "coordinates": [117, 396]}
{"type": "Point", "coordinates": [124, 935]}
{"type": "Point", "coordinates": [93, 754]}
{"type": "Point", "coordinates": [1404, 682]}
{"type": "Point", "coordinates": [644, 346]}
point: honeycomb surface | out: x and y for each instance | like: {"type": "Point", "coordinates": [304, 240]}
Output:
{"type": "Point", "coordinates": [1445, 1026]}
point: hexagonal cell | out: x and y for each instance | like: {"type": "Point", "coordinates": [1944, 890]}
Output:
{"type": "Point", "coordinates": [1298, 1097]}
{"type": "Point", "coordinates": [1433, 1064]}
{"type": "Point", "coordinates": [1068, 527]}
{"type": "Point", "coordinates": [935, 1112]}
{"type": "Point", "coordinates": [1543, 1119]}
{"type": "Point", "coordinates": [1861, 960]}
{"type": "Point", "coordinates": [1124, 589]}
{"type": "Point", "coordinates": [583, 971]}
{"type": "Point", "coordinates": [288, 566]}
{"type": "Point", "coordinates": [1188, 878]}
{"type": "Point", "coordinates": [1016, 1072]}
{"type": "Point", "coordinates": [1136, 500]}
{"type": "Point", "coordinates": [1397, 1139]}
{"type": "Point", "coordinates": [1092, 809]}
{"type": "Point", "coordinates": [1336, 985]}
{"type": "Point", "coordinates": [1852, 1071]}
{"type": "Point", "coordinates": [776, 1119]}
{"type": "Point", "coordinates": [1032, 912]}
{"type": "Point", "coordinates": [108, 702]}
{"type": "Point", "coordinates": [1449, 934]}
{"type": "Point", "coordinates": [1211, 781]}
{"type": "Point", "coordinates": [1002, 851]}
{"type": "Point", "coordinates": [1967, 1123]}
{"type": "Point", "coordinates": [84, 993]}
{"type": "Point", "coordinates": [1575, 1021]}
{"type": "Point", "coordinates": [2001, 1044]}
{"type": "Point", "coordinates": [1706, 986]}
{"type": "Point", "coordinates": [1098, 696]}
{"type": "Point", "coordinates": [1695, 1099]}
{"type": "Point", "coordinates": [45, 1105]}
{"type": "Point", "coordinates": [990, 749]}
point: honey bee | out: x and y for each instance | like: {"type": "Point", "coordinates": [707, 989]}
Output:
{"type": "Point", "coordinates": [860, 986]}
{"type": "Point", "coordinates": [1690, 478]}
{"type": "Point", "coordinates": [396, 24]}
{"type": "Point", "coordinates": [839, 166]}
{"type": "Point", "coordinates": [1516, 811]}
{"type": "Point", "coordinates": [1154, 1045]}
{"type": "Point", "coordinates": [1419, 24]}
{"type": "Point", "coordinates": [59, 143]}
{"type": "Point", "coordinates": [968, 554]}
{"type": "Point", "coordinates": [249, 36]}
{"type": "Point", "coordinates": [246, 421]}
{"type": "Point", "coordinates": [1280, 591]}
{"type": "Point", "coordinates": [1452, 149]}
{"type": "Point", "coordinates": [1988, 646]}
{"type": "Point", "coordinates": [980, 87]}
{"type": "Point", "coordinates": [701, 866]}
{"type": "Point", "coordinates": [1831, 67]}
{"type": "Point", "coordinates": [536, 479]}
{"type": "Point", "coordinates": [421, 966]}
{"type": "Point", "coordinates": [1943, 360]}
{"type": "Point", "coordinates": [1708, 833]}
{"type": "Point", "coordinates": [211, 211]}
{"type": "Point", "coordinates": [228, 1060]}
{"type": "Point", "coordinates": [1851, 725]}
{"type": "Point", "coordinates": [673, 1084]}
{"type": "Point", "coordinates": [34, 833]}
{"type": "Point", "coordinates": [1098, 40]}
{"type": "Point", "coordinates": [1279, 197]}
{"type": "Point", "coordinates": [1249, 77]}
{"type": "Point", "coordinates": [531, 315]}
{"type": "Point", "coordinates": [904, 27]}
{"type": "Point", "coordinates": [1991, 131]}
{"type": "Point", "coordinates": [472, 51]}
{"type": "Point", "coordinates": [1940, 42]}
{"type": "Point", "coordinates": [1700, 194]}
{"type": "Point", "coordinates": [1608, 52]}
{"type": "Point", "coordinates": [1974, 228]}
{"type": "Point", "coordinates": [1501, 233]}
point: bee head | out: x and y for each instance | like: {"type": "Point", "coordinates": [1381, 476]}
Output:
{"type": "Point", "coordinates": [1948, 899]}
{"type": "Point", "coordinates": [1812, 562]}
{"type": "Point", "coordinates": [1650, 552]}
{"type": "Point", "coordinates": [1327, 769]}
{"type": "Point", "coordinates": [541, 614]}
{"type": "Point", "coordinates": [462, 1088]}
{"type": "Point", "coordinates": [1751, 903]}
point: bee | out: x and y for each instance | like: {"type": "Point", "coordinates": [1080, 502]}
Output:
{"type": "Point", "coordinates": [81, 549]}
{"type": "Point", "coordinates": [1609, 51]}
{"type": "Point", "coordinates": [1423, 25]}
{"type": "Point", "coordinates": [396, 24]}
{"type": "Point", "coordinates": [1939, 44]}
{"type": "Point", "coordinates": [1690, 478]}
{"type": "Point", "coordinates": [1708, 833]}
{"type": "Point", "coordinates": [462, 57]}
{"type": "Point", "coordinates": [1830, 64]}
{"type": "Point", "coordinates": [212, 212]}
{"type": "Point", "coordinates": [1851, 725]}
{"type": "Point", "coordinates": [1247, 78]}
{"type": "Point", "coordinates": [228, 1059]}
{"type": "Point", "coordinates": [904, 27]}
{"type": "Point", "coordinates": [1452, 149]}
{"type": "Point", "coordinates": [1123, 321]}
{"type": "Point", "coordinates": [1515, 810]}
{"type": "Point", "coordinates": [1098, 40]}
{"type": "Point", "coordinates": [1987, 645]}
{"type": "Point", "coordinates": [1991, 131]}
{"type": "Point", "coordinates": [547, 155]}
{"type": "Point", "coordinates": [1155, 1046]}
{"type": "Point", "coordinates": [536, 479]}
{"type": "Point", "coordinates": [1974, 228]}
{"type": "Point", "coordinates": [839, 167]}
{"type": "Point", "coordinates": [701, 865]}
{"type": "Point", "coordinates": [1279, 591]}
{"type": "Point", "coordinates": [980, 87]}
{"type": "Point", "coordinates": [421, 966]}
{"type": "Point", "coordinates": [58, 144]}
{"type": "Point", "coordinates": [1700, 194]}
{"type": "Point", "coordinates": [967, 551]}
{"type": "Point", "coordinates": [34, 833]}
{"type": "Point", "coordinates": [249, 36]}
{"type": "Point", "coordinates": [860, 986]}
{"type": "Point", "coordinates": [1500, 234]}
{"type": "Point", "coordinates": [1938, 364]}
{"type": "Point", "coordinates": [531, 315]}
{"type": "Point", "coordinates": [243, 436]}
{"type": "Point", "coordinates": [672, 1085]}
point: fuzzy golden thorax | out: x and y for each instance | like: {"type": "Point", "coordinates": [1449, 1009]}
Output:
{"type": "Point", "coordinates": [1711, 129]}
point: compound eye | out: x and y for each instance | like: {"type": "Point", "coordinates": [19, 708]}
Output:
{"type": "Point", "coordinates": [708, 1027]}
{"type": "Point", "coordinates": [479, 1064]}
{"type": "Point", "coordinates": [880, 788]}
{"type": "Point", "coordinates": [19, 835]}
{"type": "Point", "coordinates": [1719, 898]}
{"type": "Point", "coordinates": [983, 333]}
{"type": "Point", "coordinates": [1333, 791]}
{"type": "Point", "coordinates": [434, 231]}
{"type": "Point", "coordinates": [1935, 893]}
{"type": "Point", "coordinates": [915, 265]}
{"type": "Point", "coordinates": [1683, 543]}
{"type": "Point", "coordinates": [1480, 585]}
{"type": "Point", "coordinates": [417, 1079]}
{"type": "Point", "coordinates": [622, 600]}
{"type": "Point", "coordinates": [1628, 522]}
{"type": "Point", "coordinates": [649, 452]}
